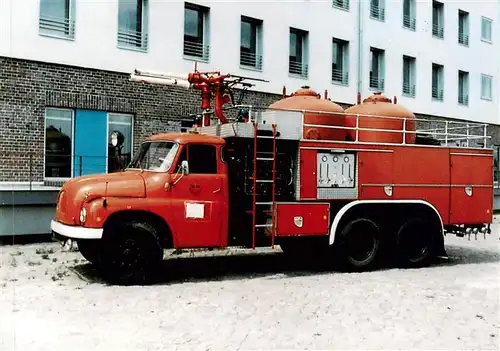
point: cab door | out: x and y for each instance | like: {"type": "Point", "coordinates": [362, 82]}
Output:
{"type": "Point", "coordinates": [199, 198]}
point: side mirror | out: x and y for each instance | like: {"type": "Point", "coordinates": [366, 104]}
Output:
{"type": "Point", "coordinates": [185, 167]}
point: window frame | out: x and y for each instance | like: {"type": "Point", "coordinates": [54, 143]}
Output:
{"type": "Point", "coordinates": [490, 78]}
{"type": "Point", "coordinates": [438, 28]}
{"type": "Point", "coordinates": [58, 179]}
{"type": "Point", "coordinates": [464, 20]}
{"type": "Point", "coordinates": [463, 82]}
{"type": "Point", "coordinates": [488, 20]}
{"type": "Point", "coordinates": [412, 84]}
{"type": "Point", "coordinates": [108, 131]}
{"type": "Point", "coordinates": [344, 46]}
{"type": "Point", "coordinates": [204, 15]}
{"type": "Point", "coordinates": [144, 41]}
{"type": "Point", "coordinates": [377, 10]}
{"type": "Point", "coordinates": [187, 149]}
{"type": "Point", "coordinates": [380, 54]}
{"type": "Point", "coordinates": [44, 32]}
{"type": "Point", "coordinates": [257, 25]}
{"type": "Point", "coordinates": [440, 81]}
{"type": "Point", "coordinates": [304, 39]}
{"type": "Point", "coordinates": [410, 19]}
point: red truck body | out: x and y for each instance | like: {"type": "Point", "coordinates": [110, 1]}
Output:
{"type": "Point", "coordinates": [260, 182]}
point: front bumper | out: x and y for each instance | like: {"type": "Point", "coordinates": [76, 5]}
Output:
{"type": "Point", "coordinates": [74, 232]}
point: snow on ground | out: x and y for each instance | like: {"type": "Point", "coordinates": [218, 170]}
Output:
{"type": "Point", "coordinates": [51, 299]}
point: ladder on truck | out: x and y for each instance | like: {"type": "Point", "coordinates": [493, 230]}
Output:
{"type": "Point", "coordinates": [259, 207]}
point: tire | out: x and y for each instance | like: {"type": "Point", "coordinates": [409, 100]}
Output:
{"type": "Point", "coordinates": [90, 250]}
{"type": "Point", "coordinates": [133, 254]}
{"type": "Point", "coordinates": [360, 243]}
{"type": "Point", "coordinates": [414, 243]}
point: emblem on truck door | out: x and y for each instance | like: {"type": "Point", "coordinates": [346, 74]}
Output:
{"type": "Point", "coordinates": [298, 221]}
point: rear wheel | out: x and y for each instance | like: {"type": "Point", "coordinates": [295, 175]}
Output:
{"type": "Point", "coordinates": [414, 242]}
{"type": "Point", "coordinates": [359, 243]}
{"type": "Point", "coordinates": [133, 253]}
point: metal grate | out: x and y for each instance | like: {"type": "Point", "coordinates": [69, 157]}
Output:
{"type": "Point", "coordinates": [340, 76]}
{"type": "Point", "coordinates": [196, 49]}
{"type": "Point", "coordinates": [132, 39]}
{"type": "Point", "coordinates": [409, 22]}
{"type": "Point", "coordinates": [57, 25]}
{"type": "Point", "coordinates": [251, 60]}
{"type": "Point", "coordinates": [298, 68]}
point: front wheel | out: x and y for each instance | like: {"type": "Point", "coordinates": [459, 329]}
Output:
{"type": "Point", "coordinates": [359, 243]}
{"type": "Point", "coordinates": [90, 250]}
{"type": "Point", "coordinates": [134, 253]}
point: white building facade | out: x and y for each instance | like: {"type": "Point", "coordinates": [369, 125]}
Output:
{"type": "Point", "coordinates": [438, 58]}
{"type": "Point", "coordinates": [65, 65]}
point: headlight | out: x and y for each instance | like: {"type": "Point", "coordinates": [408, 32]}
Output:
{"type": "Point", "coordinates": [83, 215]}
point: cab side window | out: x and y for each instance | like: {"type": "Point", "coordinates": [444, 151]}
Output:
{"type": "Point", "coordinates": [202, 159]}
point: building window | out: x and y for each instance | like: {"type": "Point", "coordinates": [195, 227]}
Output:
{"type": "Point", "coordinates": [409, 76]}
{"type": "Point", "coordinates": [341, 4]}
{"type": "Point", "coordinates": [196, 32]}
{"type": "Point", "coordinates": [486, 81]}
{"type": "Point", "coordinates": [463, 27]}
{"type": "Point", "coordinates": [437, 82]}
{"type": "Point", "coordinates": [78, 142]}
{"type": "Point", "coordinates": [298, 57]}
{"type": "Point", "coordinates": [132, 24]}
{"type": "Point", "coordinates": [251, 43]}
{"type": "Point", "coordinates": [58, 143]}
{"type": "Point", "coordinates": [437, 19]}
{"type": "Point", "coordinates": [377, 9]}
{"type": "Point", "coordinates": [119, 158]}
{"type": "Point", "coordinates": [463, 88]}
{"type": "Point", "coordinates": [57, 18]}
{"type": "Point", "coordinates": [409, 14]}
{"type": "Point", "coordinates": [486, 25]}
{"type": "Point", "coordinates": [377, 69]}
{"type": "Point", "coordinates": [340, 61]}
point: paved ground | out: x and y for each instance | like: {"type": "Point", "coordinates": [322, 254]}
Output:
{"type": "Point", "coordinates": [51, 300]}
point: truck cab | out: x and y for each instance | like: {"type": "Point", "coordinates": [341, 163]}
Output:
{"type": "Point", "coordinates": [174, 193]}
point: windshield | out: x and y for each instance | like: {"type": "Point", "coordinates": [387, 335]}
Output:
{"type": "Point", "coordinates": [154, 156]}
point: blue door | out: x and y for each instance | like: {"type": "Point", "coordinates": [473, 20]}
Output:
{"type": "Point", "coordinates": [91, 142]}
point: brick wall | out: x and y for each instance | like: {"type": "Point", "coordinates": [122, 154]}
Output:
{"type": "Point", "coordinates": [27, 87]}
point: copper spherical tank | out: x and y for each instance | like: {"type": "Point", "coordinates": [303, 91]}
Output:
{"type": "Point", "coordinates": [330, 114]}
{"type": "Point", "coordinates": [372, 112]}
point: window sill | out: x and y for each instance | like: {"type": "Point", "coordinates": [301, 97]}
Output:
{"type": "Point", "coordinates": [132, 48]}
{"type": "Point", "coordinates": [195, 58]}
{"type": "Point", "coordinates": [463, 44]}
{"type": "Point", "coordinates": [346, 9]}
{"type": "Point", "coordinates": [298, 76]}
{"type": "Point", "coordinates": [410, 28]}
{"type": "Point", "coordinates": [487, 41]}
{"type": "Point", "coordinates": [437, 100]}
{"type": "Point", "coordinates": [463, 105]}
{"type": "Point", "coordinates": [250, 68]}
{"type": "Point", "coordinates": [336, 82]}
{"type": "Point", "coordinates": [411, 96]}
{"type": "Point", "coordinates": [436, 37]}
{"type": "Point", "coordinates": [56, 36]}
{"type": "Point", "coordinates": [376, 89]}
{"type": "Point", "coordinates": [377, 19]}
{"type": "Point", "coordinates": [486, 99]}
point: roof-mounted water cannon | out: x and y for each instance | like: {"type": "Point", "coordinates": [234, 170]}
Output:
{"type": "Point", "coordinates": [211, 84]}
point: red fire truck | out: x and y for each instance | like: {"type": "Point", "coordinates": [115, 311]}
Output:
{"type": "Point", "coordinates": [357, 186]}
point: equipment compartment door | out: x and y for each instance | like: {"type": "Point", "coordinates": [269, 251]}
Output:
{"type": "Point", "coordinates": [471, 187]}
{"type": "Point", "coordinates": [199, 200]}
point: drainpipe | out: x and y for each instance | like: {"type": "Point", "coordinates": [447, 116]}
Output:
{"type": "Point", "coordinates": [360, 48]}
